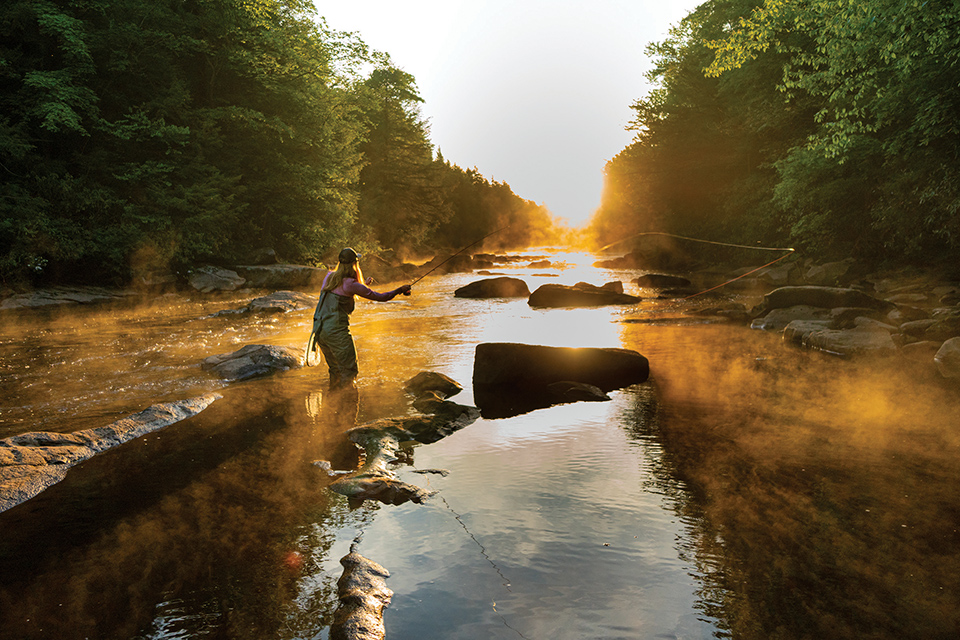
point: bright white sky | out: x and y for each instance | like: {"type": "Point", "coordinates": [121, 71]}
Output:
{"type": "Point", "coordinates": [534, 93]}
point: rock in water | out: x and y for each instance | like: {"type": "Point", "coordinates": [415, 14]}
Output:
{"type": "Point", "coordinates": [824, 297]}
{"type": "Point", "coordinates": [581, 295]}
{"type": "Point", "coordinates": [253, 360]}
{"type": "Point", "coordinates": [510, 379]}
{"type": "Point", "coordinates": [432, 381]}
{"type": "Point", "coordinates": [502, 287]}
{"type": "Point", "coordinates": [525, 365]}
{"type": "Point", "coordinates": [363, 594]}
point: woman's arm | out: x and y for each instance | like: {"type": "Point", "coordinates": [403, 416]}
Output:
{"type": "Point", "coordinates": [351, 286]}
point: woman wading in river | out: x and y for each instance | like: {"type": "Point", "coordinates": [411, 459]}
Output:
{"type": "Point", "coordinates": [331, 320]}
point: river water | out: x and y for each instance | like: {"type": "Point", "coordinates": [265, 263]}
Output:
{"type": "Point", "coordinates": [746, 490]}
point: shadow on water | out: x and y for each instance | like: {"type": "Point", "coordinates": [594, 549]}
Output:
{"type": "Point", "coordinates": [186, 532]}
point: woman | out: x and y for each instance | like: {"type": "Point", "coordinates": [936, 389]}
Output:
{"type": "Point", "coordinates": [331, 320]}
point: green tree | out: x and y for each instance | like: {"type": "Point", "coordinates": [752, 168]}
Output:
{"type": "Point", "coordinates": [401, 199]}
{"type": "Point", "coordinates": [886, 77]}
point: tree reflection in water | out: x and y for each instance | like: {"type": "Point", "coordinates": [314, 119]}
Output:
{"type": "Point", "coordinates": [825, 491]}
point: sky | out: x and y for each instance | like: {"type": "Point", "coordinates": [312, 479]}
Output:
{"type": "Point", "coordinates": [534, 93]}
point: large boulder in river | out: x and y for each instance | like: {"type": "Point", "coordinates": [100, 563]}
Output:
{"type": "Point", "coordinates": [504, 367]}
{"type": "Point", "coordinates": [580, 295]}
{"type": "Point", "coordinates": [502, 287]}
{"type": "Point", "coordinates": [253, 360]}
{"type": "Point", "coordinates": [825, 297]}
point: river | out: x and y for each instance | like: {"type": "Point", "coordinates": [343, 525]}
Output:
{"type": "Point", "coordinates": [746, 490]}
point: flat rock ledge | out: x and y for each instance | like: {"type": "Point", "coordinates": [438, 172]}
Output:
{"type": "Point", "coordinates": [31, 462]}
{"type": "Point", "coordinates": [62, 296]}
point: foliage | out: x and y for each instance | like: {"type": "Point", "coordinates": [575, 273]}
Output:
{"type": "Point", "coordinates": [840, 117]}
{"type": "Point", "coordinates": [138, 136]}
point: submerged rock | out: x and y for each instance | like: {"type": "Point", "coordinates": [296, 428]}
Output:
{"type": "Point", "coordinates": [580, 295]}
{"type": "Point", "coordinates": [363, 595]}
{"type": "Point", "coordinates": [502, 287]}
{"type": "Point", "coordinates": [253, 360]}
{"type": "Point", "coordinates": [31, 462]}
{"type": "Point", "coordinates": [567, 391]}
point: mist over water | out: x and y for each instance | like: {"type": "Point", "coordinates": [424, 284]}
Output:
{"type": "Point", "coordinates": [746, 489]}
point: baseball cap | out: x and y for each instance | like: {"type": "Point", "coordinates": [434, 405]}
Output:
{"type": "Point", "coordinates": [348, 256]}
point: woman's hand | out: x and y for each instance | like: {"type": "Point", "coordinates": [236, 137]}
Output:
{"type": "Point", "coordinates": [405, 289]}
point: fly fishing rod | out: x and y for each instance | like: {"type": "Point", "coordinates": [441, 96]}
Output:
{"type": "Point", "coordinates": [406, 293]}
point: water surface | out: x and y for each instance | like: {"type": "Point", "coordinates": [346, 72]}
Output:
{"type": "Point", "coordinates": [746, 489]}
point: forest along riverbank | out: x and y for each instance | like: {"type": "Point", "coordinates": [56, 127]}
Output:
{"type": "Point", "coordinates": [813, 492]}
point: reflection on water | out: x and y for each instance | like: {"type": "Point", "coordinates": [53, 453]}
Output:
{"type": "Point", "coordinates": [746, 490]}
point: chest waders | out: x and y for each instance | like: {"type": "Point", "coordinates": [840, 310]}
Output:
{"type": "Point", "coordinates": [331, 334]}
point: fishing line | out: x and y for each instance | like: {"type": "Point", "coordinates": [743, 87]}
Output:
{"type": "Point", "coordinates": [673, 235]}
{"type": "Point", "coordinates": [483, 552]}
{"type": "Point", "coordinates": [789, 251]}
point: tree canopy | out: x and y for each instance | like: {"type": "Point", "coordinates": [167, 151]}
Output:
{"type": "Point", "coordinates": [136, 136]}
{"type": "Point", "coordinates": [828, 125]}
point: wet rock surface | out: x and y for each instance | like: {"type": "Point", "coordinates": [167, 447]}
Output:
{"type": "Point", "coordinates": [276, 302]}
{"type": "Point", "coordinates": [948, 359]}
{"type": "Point", "coordinates": [510, 378]}
{"type": "Point", "coordinates": [252, 361]}
{"type": "Point", "coordinates": [63, 296]}
{"type": "Point", "coordinates": [363, 595]}
{"type": "Point", "coordinates": [31, 462]}
{"type": "Point", "coordinates": [823, 297]}
{"type": "Point", "coordinates": [894, 319]}
{"type": "Point", "coordinates": [382, 441]}
{"type": "Point", "coordinates": [502, 287]}
{"type": "Point", "coordinates": [433, 381]}
{"type": "Point", "coordinates": [579, 295]}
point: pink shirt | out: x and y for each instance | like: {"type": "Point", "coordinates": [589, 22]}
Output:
{"type": "Point", "coordinates": [350, 287]}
